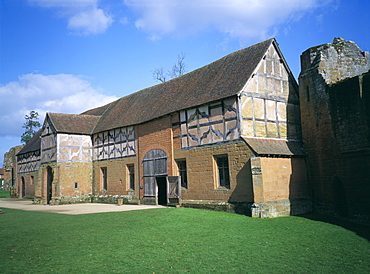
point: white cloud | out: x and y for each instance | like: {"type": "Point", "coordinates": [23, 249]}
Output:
{"type": "Point", "coordinates": [84, 16]}
{"type": "Point", "coordinates": [236, 18]}
{"type": "Point", "coordinates": [61, 93]}
{"type": "Point", "coordinates": [92, 21]}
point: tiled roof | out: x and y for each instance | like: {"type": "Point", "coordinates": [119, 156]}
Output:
{"type": "Point", "coordinates": [33, 144]}
{"type": "Point", "coordinates": [265, 147]}
{"type": "Point", "coordinates": [220, 79]}
{"type": "Point", "coordinates": [97, 111]}
{"type": "Point", "coordinates": [73, 123]}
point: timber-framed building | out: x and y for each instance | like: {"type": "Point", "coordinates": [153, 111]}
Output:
{"type": "Point", "coordinates": [227, 135]}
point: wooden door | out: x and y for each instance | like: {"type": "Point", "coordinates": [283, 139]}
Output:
{"type": "Point", "coordinates": [155, 165]}
{"type": "Point", "coordinates": [173, 190]}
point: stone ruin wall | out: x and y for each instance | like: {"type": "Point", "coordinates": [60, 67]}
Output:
{"type": "Point", "coordinates": [11, 169]}
{"type": "Point", "coordinates": [334, 100]}
{"type": "Point", "coordinates": [336, 61]}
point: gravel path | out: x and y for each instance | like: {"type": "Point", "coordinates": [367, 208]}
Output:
{"type": "Point", "coordinates": [71, 208]}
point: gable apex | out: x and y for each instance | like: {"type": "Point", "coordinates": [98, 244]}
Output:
{"type": "Point", "coordinates": [221, 79]}
{"type": "Point", "coordinates": [72, 123]}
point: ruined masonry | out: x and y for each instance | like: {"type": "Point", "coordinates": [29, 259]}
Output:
{"type": "Point", "coordinates": [334, 87]}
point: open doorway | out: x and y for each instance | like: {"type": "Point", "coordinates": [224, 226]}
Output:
{"type": "Point", "coordinates": [23, 187]}
{"type": "Point", "coordinates": [162, 190]}
{"type": "Point", "coordinates": [49, 186]}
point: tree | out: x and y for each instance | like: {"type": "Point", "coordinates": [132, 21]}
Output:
{"type": "Point", "coordinates": [159, 75]}
{"type": "Point", "coordinates": [177, 70]}
{"type": "Point", "coordinates": [31, 125]}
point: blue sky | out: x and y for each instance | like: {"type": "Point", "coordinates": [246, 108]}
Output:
{"type": "Point", "coordinates": [67, 56]}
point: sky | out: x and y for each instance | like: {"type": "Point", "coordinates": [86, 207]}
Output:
{"type": "Point", "coordinates": [68, 56]}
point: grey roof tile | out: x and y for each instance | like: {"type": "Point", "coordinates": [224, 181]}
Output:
{"type": "Point", "coordinates": [220, 79]}
{"type": "Point", "coordinates": [265, 147]}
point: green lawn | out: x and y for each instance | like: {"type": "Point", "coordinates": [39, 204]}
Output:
{"type": "Point", "coordinates": [4, 194]}
{"type": "Point", "coordinates": [175, 241]}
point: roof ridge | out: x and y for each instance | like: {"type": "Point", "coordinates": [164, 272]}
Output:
{"type": "Point", "coordinates": [100, 116]}
{"type": "Point", "coordinates": [220, 79]}
{"type": "Point", "coordinates": [184, 75]}
{"type": "Point", "coordinates": [33, 144]}
{"type": "Point", "coordinates": [73, 123]}
{"type": "Point", "coordinates": [76, 114]}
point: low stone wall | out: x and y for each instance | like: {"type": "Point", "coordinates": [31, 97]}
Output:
{"type": "Point", "coordinates": [149, 201]}
{"type": "Point", "coordinates": [281, 208]}
{"type": "Point", "coordinates": [105, 199]}
{"type": "Point", "coordinates": [70, 200]}
{"type": "Point", "coordinates": [113, 199]}
{"type": "Point", "coordinates": [37, 200]}
{"type": "Point", "coordinates": [243, 208]}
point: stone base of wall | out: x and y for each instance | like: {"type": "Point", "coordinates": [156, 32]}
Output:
{"type": "Point", "coordinates": [113, 199]}
{"type": "Point", "coordinates": [243, 208]}
{"type": "Point", "coordinates": [37, 200]}
{"type": "Point", "coordinates": [300, 206]}
{"type": "Point", "coordinates": [350, 215]}
{"type": "Point", "coordinates": [105, 199]}
{"type": "Point", "coordinates": [280, 208]}
{"type": "Point", "coordinates": [149, 201]}
{"type": "Point", "coordinates": [70, 200]}
{"type": "Point", "coordinates": [13, 193]}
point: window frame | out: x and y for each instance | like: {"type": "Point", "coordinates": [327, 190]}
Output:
{"type": "Point", "coordinates": [104, 178]}
{"type": "Point", "coordinates": [222, 170]}
{"type": "Point", "coordinates": [182, 172]}
{"type": "Point", "coordinates": [130, 176]}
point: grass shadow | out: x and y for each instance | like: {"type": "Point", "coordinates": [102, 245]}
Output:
{"type": "Point", "coordinates": [361, 230]}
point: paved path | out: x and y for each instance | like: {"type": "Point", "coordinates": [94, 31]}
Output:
{"type": "Point", "coordinates": [71, 208]}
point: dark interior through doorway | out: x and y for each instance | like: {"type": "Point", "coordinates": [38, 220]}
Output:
{"type": "Point", "coordinates": [50, 178]}
{"type": "Point", "coordinates": [162, 190]}
{"type": "Point", "coordinates": [23, 187]}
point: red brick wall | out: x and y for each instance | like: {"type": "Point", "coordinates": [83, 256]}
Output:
{"type": "Point", "coordinates": [201, 169]}
{"type": "Point", "coordinates": [156, 134]}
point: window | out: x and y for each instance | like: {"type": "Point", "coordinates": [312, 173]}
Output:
{"type": "Point", "coordinates": [131, 176]}
{"type": "Point", "coordinates": [223, 171]}
{"type": "Point", "coordinates": [32, 180]}
{"type": "Point", "coordinates": [181, 165]}
{"type": "Point", "coordinates": [76, 185]}
{"type": "Point", "coordinates": [103, 176]}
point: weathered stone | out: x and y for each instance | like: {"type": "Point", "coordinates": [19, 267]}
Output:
{"type": "Point", "coordinates": [334, 92]}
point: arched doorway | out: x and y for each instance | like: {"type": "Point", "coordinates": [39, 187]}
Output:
{"type": "Point", "coordinates": [155, 173]}
{"type": "Point", "coordinates": [49, 184]}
